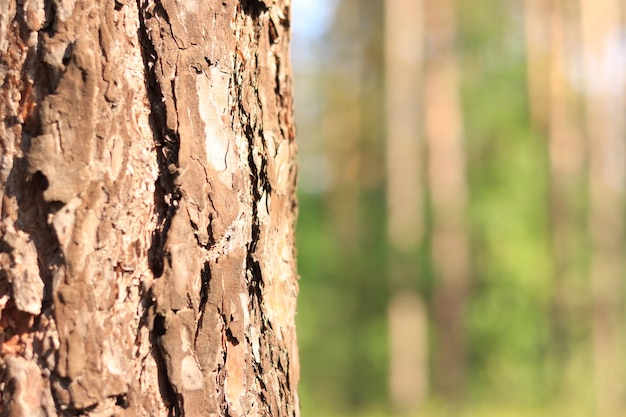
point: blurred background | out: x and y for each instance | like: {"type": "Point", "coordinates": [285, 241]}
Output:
{"type": "Point", "coordinates": [461, 232]}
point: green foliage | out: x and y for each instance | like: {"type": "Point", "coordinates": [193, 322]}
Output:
{"type": "Point", "coordinates": [341, 314]}
{"type": "Point", "coordinates": [515, 367]}
{"type": "Point", "coordinates": [509, 210]}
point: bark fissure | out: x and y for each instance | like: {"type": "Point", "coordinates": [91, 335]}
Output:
{"type": "Point", "coordinates": [204, 297]}
{"type": "Point", "coordinates": [172, 400]}
{"type": "Point", "coordinates": [254, 8]}
{"type": "Point", "coordinates": [167, 192]}
{"type": "Point", "coordinates": [167, 143]}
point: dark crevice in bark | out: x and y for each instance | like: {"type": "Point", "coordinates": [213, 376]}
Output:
{"type": "Point", "coordinates": [273, 33]}
{"type": "Point", "coordinates": [171, 399]}
{"type": "Point", "coordinates": [122, 401]}
{"type": "Point", "coordinates": [167, 143]}
{"type": "Point", "coordinates": [258, 370]}
{"type": "Point", "coordinates": [221, 382]}
{"type": "Point", "coordinates": [260, 184]}
{"type": "Point", "coordinates": [254, 273]}
{"type": "Point", "coordinates": [253, 8]}
{"type": "Point", "coordinates": [231, 338]}
{"type": "Point", "coordinates": [49, 25]}
{"type": "Point", "coordinates": [209, 228]}
{"type": "Point", "coordinates": [158, 9]}
{"type": "Point", "coordinates": [166, 197]}
{"type": "Point", "coordinates": [279, 95]}
{"type": "Point", "coordinates": [258, 177]}
{"type": "Point", "coordinates": [158, 327]}
{"type": "Point", "coordinates": [205, 289]}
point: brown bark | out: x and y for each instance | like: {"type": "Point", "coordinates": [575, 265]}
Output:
{"type": "Point", "coordinates": [147, 179]}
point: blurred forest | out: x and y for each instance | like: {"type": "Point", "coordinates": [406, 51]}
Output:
{"type": "Point", "coordinates": [461, 231]}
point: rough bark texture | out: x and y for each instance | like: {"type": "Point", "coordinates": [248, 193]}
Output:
{"type": "Point", "coordinates": [147, 180]}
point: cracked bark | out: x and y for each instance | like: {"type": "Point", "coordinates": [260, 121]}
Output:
{"type": "Point", "coordinates": [147, 181]}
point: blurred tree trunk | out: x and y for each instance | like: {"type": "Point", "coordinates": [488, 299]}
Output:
{"type": "Point", "coordinates": [406, 313]}
{"type": "Point", "coordinates": [352, 150]}
{"type": "Point", "coordinates": [147, 185]}
{"type": "Point", "coordinates": [604, 82]}
{"type": "Point", "coordinates": [537, 31]}
{"type": "Point", "coordinates": [342, 126]}
{"type": "Point", "coordinates": [448, 194]}
{"type": "Point", "coordinates": [567, 172]}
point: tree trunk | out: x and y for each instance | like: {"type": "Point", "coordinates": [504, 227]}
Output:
{"type": "Point", "coordinates": [601, 43]}
{"type": "Point", "coordinates": [407, 317]}
{"type": "Point", "coordinates": [565, 127]}
{"type": "Point", "coordinates": [147, 179]}
{"type": "Point", "coordinates": [536, 32]}
{"type": "Point", "coordinates": [443, 125]}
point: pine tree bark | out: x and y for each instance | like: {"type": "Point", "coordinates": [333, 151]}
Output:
{"type": "Point", "coordinates": [147, 180]}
